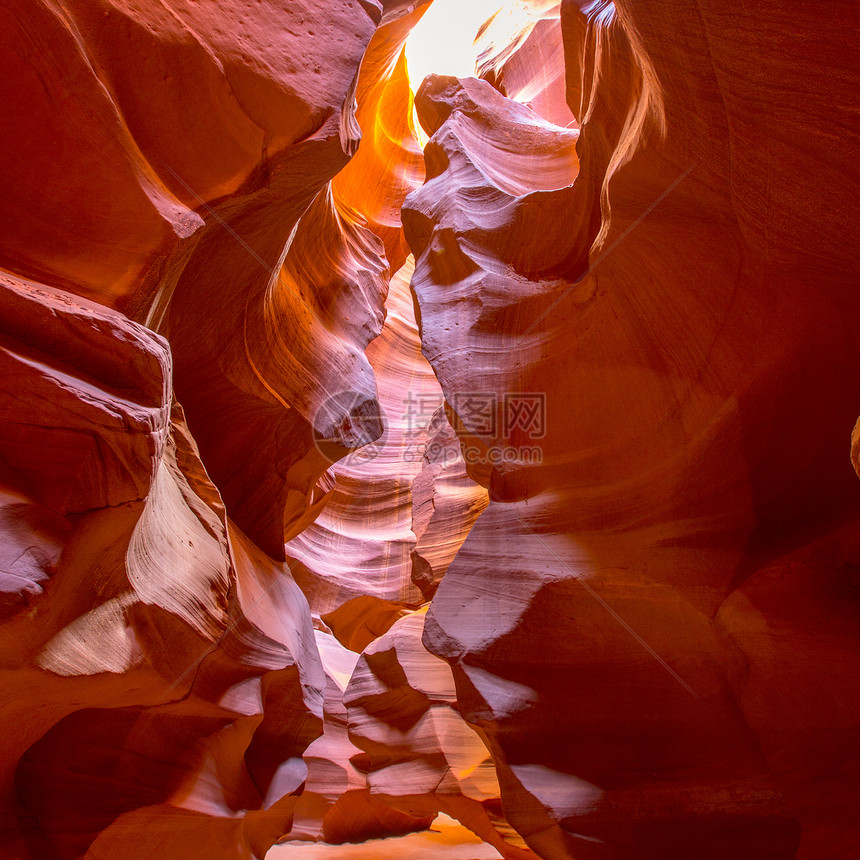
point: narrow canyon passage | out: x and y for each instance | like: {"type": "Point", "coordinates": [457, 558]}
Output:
{"type": "Point", "coordinates": [426, 430]}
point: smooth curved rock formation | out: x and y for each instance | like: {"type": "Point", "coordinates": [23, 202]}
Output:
{"type": "Point", "coordinates": [526, 63]}
{"type": "Point", "coordinates": [162, 675]}
{"type": "Point", "coordinates": [618, 618]}
{"type": "Point", "coordinates": [161, 666]}
{"type": "Point", "coordinates": [418, 753]}
{"type": "Point", "coordinates": [337, 805]}
{"type": "Point", "coordinates": [400, 508]}
{"type": "Point", "coordinates": [372, 187]}
{"type": "Point", "coordinates": [208, 130]}
{"type": "Point", "coordinates": [343, 484]}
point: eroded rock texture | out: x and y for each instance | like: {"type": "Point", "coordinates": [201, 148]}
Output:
{"type": "Point", "coordinates": [524, 58]}
{"type": "Point", "coordinates": [160, 671]}
{"type": "Point", "coordinates": [653, 623]}
{"type": "Point", "coordinates": [535, 509]}
{"type": "Point", "coordinates": [418, 753]}
{"type": "Point", "coordinates": [400, 507]}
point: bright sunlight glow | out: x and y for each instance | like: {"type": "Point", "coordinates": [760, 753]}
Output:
{"type": "Point", "coordinates": [443, 41]}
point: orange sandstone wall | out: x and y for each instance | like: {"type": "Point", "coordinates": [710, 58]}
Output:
{"type": "Point", "coordinates": [655, 625]}
{"type": "Point", "coordinates": [281, 553]}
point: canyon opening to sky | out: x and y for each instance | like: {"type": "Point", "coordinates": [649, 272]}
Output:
{"type": "Point", "coordinates": [429, 430]}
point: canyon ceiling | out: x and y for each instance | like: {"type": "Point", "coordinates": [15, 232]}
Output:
{"type": "Point", "coordinates": [373, 448]}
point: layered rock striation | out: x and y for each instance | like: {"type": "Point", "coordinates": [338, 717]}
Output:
{"type": "Point", "coordinates": [618, 620]}
{"type": "Point", "coordinates": [343, 484]}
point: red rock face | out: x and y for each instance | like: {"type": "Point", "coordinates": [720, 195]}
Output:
{"type": "Point", "coordinates": [162, 673]}
{"type": "Point", "coordinates": [400, 507]}
{"type": "Point", "coordinates": [343, 484]}
{"type": "Point", "coordinates": [693, 467]}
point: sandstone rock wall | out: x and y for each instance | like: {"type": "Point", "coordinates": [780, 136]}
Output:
{"type": "Point", "coordinates": [619, 619]}
{"type": "Point", "coordinates": [343, 484]}
{"type": "Point", "coordinates": [161, 675]}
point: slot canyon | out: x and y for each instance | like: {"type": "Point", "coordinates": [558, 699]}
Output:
{"type": "Point", "coordinates": [428, 430]}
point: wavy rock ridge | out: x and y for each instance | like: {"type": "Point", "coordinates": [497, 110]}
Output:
{"type": "Point", "coordinates": [619, 619]}
{"type": "Point", "coordinates": [344, 484]}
